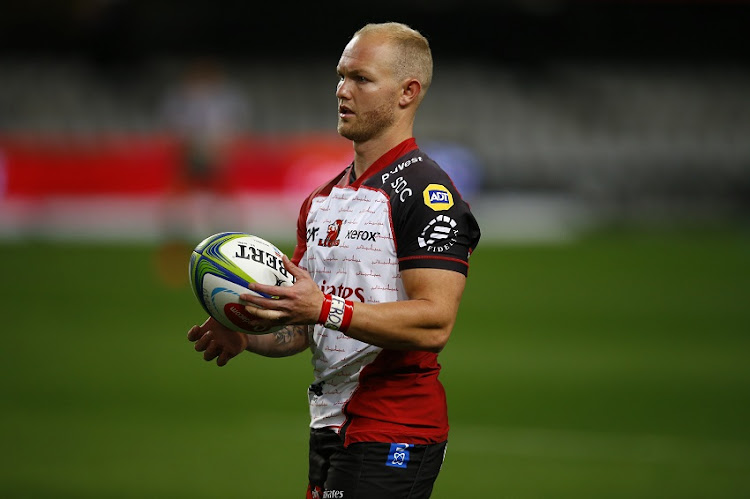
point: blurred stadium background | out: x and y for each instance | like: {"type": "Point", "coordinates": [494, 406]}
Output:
{"type": "Point", "coordinates": [602, 346]}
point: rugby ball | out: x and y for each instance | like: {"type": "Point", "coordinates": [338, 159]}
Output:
{"type": "Point", "coordinates": [221, 267]}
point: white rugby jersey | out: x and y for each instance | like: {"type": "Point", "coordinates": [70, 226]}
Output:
{"type": "Point", "coordinates": [355, 238]}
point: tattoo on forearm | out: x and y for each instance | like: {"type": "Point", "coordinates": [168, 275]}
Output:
{"type": "Point", "coordinates": [287, 335]}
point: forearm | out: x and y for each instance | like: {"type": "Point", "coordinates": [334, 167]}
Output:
{"type": "Point", "coordinates": [422, 322]}
{"type": "Point", "coordinates": [282, 343]}
{"type": "Point", "coordinates": [406, 325]}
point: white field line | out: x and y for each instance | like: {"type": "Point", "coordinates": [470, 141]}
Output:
{"type": "Point", "coordinates": [582, 445]}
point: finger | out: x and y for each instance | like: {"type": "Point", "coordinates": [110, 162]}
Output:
{"type": "Point", "coordinates": [263, 313]}
{"type": "Point", "coordinates": [195, 333]}
{"type": "Point", "coordinates": [223, 358]}
{"type": "Point", "coordinates": [203, 342]}
{"type": "Point", "coordinates": [260, 301]}
{"type": "Point", "coordinates": [267, 290]}
{"type": "Point", "coordinates": [291, 267]}
{"type": "Point", "coordinates": [212, 351]}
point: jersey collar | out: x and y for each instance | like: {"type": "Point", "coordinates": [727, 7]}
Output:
{"type": "Point", "coordinates": [386, 159]}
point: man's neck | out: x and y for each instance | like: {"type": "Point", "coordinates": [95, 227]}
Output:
{"type": "Point", "coordinates": [366, 153]}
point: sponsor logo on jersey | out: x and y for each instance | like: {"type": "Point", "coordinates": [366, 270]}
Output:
{"type": "Point", "coordinates": [312, 233]}
{"type": "Point", "coordinates": [314, 493]}
{"type": "Point", "coordinates": [399, 186]}
{"type": "Point", "coordinates": [439, 234]}
{"type": "Point", "coordinates": [344, 292]}
{"type": "Point", "coordinates": [332, 237]}
{"type": "Point", "coordinates": [398, 456]}
{"type": "Point", "coordinates": [438, 197]}
{"type": "Point", "coordinates": [362, 235]}
{"type": "Point", "coordinates": [399, 167]}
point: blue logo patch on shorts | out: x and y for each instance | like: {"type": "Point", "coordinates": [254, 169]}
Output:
{"type": "Point", "coordinates": [398, 457]}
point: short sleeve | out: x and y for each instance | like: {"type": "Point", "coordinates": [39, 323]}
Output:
{"type": "Point", "coordinates": [435, 227]}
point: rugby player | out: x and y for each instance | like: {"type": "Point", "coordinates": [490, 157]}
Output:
{"type": "Point", "coordinates": [380, 265]}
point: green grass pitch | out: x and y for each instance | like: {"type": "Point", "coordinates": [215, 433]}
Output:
{"type": "Point", "coordinates": [617, 366]}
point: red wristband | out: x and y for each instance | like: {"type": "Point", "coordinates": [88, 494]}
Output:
{"type": "Point", "coordinates": [348, 313]}
{"type": "Point", "coordinates": [339, 314]}
{"type": "Point", "coordinates": [324, 310]}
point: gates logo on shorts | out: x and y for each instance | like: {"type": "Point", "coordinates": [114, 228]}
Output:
{"type": "Point", "coordinates": [398, 456]}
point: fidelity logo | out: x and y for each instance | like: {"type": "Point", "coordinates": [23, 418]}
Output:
{"type": "Point", "coordinates": [439, 235]}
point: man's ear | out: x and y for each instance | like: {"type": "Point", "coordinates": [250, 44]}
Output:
{"type": "Point", "coordinates": [410, 92]}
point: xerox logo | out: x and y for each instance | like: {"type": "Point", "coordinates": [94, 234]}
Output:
{"type": "Point", "coordinates": [333, 235]}
{"type": "Point", "coordinates": [362, 235]}
{"type": "Point", "coordinates": [438, 235]}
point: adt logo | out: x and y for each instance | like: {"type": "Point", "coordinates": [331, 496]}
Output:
{"type": "Point", "coordinates": [398, 456]}
{"type": "Point", "coordinates": [437, 197]}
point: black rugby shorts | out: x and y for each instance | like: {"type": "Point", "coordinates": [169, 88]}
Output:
{"type": "Point", "coordinates": [370, 470]}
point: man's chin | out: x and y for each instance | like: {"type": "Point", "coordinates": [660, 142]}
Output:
{"type": "Point", "coordinates": [356, 134]}
{"type": "Point", "coordinates": [346, 132]}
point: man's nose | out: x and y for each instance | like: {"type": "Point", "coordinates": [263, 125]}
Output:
{"type": "Point", "coordinates": [342, 89]}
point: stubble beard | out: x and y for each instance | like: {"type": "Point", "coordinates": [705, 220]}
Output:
{"type": "Point", "coordinates": [368, 125]}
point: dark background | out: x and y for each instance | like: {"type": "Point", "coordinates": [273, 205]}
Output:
{"type": "Point", "coordinates": [504, 32]}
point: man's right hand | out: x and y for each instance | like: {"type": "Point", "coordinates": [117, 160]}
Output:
{"type": "Point", "coordinates": [217, 341]}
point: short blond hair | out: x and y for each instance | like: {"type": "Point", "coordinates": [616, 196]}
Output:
{"type": "Point", "coordinates": [414, 57]}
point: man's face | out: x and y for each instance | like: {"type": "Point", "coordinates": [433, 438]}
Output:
{"type": "Point", "coordinates": [367, 92]}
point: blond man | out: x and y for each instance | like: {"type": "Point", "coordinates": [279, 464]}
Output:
{"type": "Point", "coordinates": [380, 265]}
